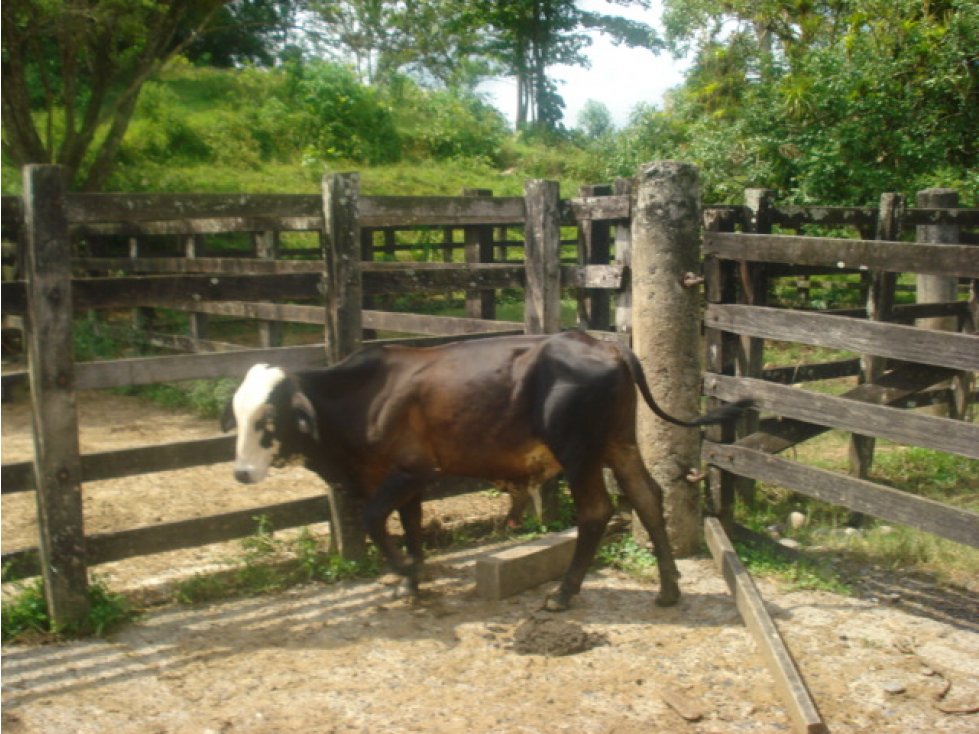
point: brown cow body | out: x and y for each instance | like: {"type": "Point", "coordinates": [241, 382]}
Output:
{"type": "Point", "coordinates": [515, 410]}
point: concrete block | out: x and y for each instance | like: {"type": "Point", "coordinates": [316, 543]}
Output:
{"type": "Point", "coordinates": [521, 567]}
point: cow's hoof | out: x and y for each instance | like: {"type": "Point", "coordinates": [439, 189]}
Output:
{"type": "Point", "coordinates": [668, 596]}
{"type": "Point", "coordinates": [559, 602]}
{"type": "Point", "coordinates": [408, 590]}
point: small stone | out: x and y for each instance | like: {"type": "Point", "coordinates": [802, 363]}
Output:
{"type": "Point", "coordinates": [894, 688]}
{"type": "Point", "coordinates": [797, 520]}
{"type": "Point", "coordinates": [789, 543]}
{"type": "Point", "coordinates": [885, 530]}
{"type": "Point", "coordinates": [850, 532]}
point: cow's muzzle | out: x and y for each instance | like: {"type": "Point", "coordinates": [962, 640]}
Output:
{"type": "Point", "coordinates": [246, 476]}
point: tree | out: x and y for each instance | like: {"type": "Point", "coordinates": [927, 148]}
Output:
{"type": "Point", "coordinates": [595, 120]}
{"type": "Point", "coordinates": [529, 36]}
{"type": "Point", "coordinates": [245, 32]}
{"type": "Point", "coordinates": [72, 71]}
{"type": "Point", "coordinates": [832, 101]}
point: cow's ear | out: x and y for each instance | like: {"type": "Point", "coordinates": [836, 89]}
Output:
{"type": "Point", "coordinates": [228, 420]}
{"type": "Point", "coordinates": [305, 415]}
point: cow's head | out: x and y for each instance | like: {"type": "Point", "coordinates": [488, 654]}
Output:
{"type": "Point", "coordinates": [274, 418]}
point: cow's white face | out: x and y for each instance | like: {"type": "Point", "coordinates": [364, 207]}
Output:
{"type": "Point", "coordinates": [257, 445]}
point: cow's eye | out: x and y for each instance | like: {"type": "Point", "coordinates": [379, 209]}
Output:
{"type": "Point", "coordinates": [266, 441]}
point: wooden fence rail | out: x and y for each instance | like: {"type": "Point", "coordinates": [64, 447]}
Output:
{"type": "Point", "coordinates": [902, 365]}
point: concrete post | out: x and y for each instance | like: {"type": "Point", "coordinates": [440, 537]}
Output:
{"type": "Point", "coordinates": [666, 334]}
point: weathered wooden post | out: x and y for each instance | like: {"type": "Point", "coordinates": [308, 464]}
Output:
{"type": "Point", "coordinates": [594, 249]}
{"type": "Point", "coordinates": [542, 297]}
{"type": "Point", "coordinates": [479, 249]}
{"type": "Point", "coordinates": [51, 354]}
{"type": "Point", "coordinates": [666, 334]}
{"type": "Point", "coordinates": [880, 303]}
{"type": "Point", "coordinates": [938, 288]}
{"type": "Point", "coordinates": [623, 257]}
{"type": "Point", "coordinates": [343, 291]}
{"type": "Point", "coordinates": [542, 253]}
{"type": "Point", "coordinates": [720, 284]}
{"type": "Point", "coordinates": [266, 243]}
{"type": "Point", "coordinates": [193, 249]}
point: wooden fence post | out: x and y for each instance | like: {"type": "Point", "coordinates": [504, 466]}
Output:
{"type": "Point", "coordinates": [593, 249]}
{"type": "Point", "coordinates": [51, 353]}
{"type": "Point", "coordinates": [194, 248]}
{"type": "Point", "coordinates": [542, 253]}
{"type": "Point", "coordinates": [267, 248]}
{"type": "Point", "coordinates": [720, 283]}
{"type": "Point", "coordinates": [939, 289]}
{"type": "Point", "coordinates": [344, 320]}
{"type": "Point", "coordinates": [880, 302]}
{"type": "Point", "coordinates": [542, 297]}
{"type": "Point", "coordinates": [479, 249]}
{"type": "Point", "coordinates": [666, 334]}
{"type": "Point", "coordinates": [623, 257]}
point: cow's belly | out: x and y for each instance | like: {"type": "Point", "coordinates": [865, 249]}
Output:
{"type": "Point", "coordinates": [532, 463]}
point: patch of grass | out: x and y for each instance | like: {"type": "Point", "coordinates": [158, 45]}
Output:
{"type": "Point", "coordinates": [206, 398]}
{"type": "Point", "coordinates": [762, 559]}
{"type": "Point", "coordinates": [943, 477]}
{"type": "Point", "coordinates": [626, 555]}
{"type": "Point", "coordinates": [271, 563]}
{"type": "Point", "coordinates": [25, 613]}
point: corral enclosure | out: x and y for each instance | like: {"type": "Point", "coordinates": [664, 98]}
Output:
{"type": "Point", "coordinates": [363, 250]}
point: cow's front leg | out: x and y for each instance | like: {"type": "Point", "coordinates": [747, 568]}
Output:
{"type": "Point", "coordinates": [398, 492]}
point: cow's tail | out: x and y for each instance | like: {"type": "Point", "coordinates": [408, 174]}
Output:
{"type": "Point", "coordinates": [724, 413]}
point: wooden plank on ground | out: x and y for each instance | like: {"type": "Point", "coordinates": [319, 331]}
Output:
{"type": "Point", "coordinates": [944, 349]}
{"type": "Point", "coordinates": [859, 495]}
{"type": "Point", "coordinates": [856, 416]}
{"type": "Point", "coordinates": [788, 681]}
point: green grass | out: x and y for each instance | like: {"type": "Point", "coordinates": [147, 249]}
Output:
{"type": "Point", "coordinates": [626, 555]}
{"type": "Point", "coordinates": [25, 614]}
{"type": "Point", "coordinates": [270, 563]}
{"type": "Point", "coordinates": [802, 574]}
{"type": "Point", "coordinates": [939, 476]}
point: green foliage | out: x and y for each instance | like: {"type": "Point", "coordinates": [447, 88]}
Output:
{"type": "Point", "coordinates": [25, 614]}
{"type": "Point", "coordinates": [796, 574]}
{"type": "Point", "coordinates": [826, 102]}
{"type": "Point", "coordinates": [270, 563]}
{"type": "Point", "coordinates": [626, 555]}
{"type": "Point", "coordinates": [344, 118]}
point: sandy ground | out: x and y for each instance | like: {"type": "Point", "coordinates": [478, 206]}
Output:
{"type": "Point", "coordinates": [350, 658]}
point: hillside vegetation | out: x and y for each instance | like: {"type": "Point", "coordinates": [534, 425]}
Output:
{"type": "Point", "coordinates": [203, 129]}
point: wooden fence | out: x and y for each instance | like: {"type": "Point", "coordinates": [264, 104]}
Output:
{"type": "Point", "coordinates": [905, 355]}
{"type": "Point", "coordinates": [900, 365]}
{"type": "Point", "coordinates": [50, 225]}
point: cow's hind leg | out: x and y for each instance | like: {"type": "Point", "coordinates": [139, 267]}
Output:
{"type": "Point", "coordinates": [398, 492]}
{"type": "Point", "coordinates": [411, 521]}
{"type": "Point", "coordinates": [646, 497]}
{"type": "Point", "coordinates": [594, 509]}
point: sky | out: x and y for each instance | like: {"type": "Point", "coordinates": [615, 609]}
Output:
{"type": "Point", "coordinates": [619, 77]}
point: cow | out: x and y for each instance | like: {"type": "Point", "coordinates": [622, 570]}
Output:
{"type": "Point", "coordinates": [516, 410]}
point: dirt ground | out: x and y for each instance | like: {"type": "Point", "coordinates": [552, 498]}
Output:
{"type": "Point", "coordinates": [900, 655]}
